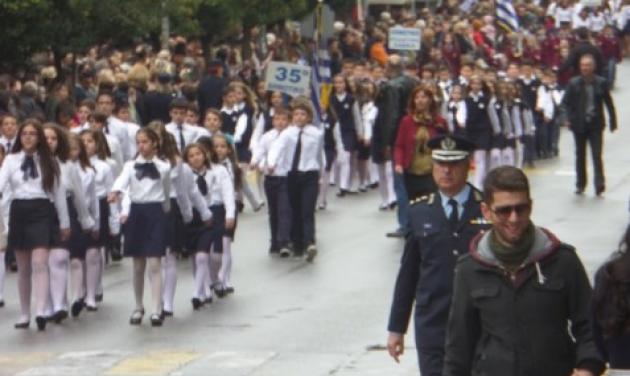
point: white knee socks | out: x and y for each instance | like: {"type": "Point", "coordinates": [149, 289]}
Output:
{"type": "Point", "coordinates": [154, 266]}
{"type": "Point", "coordinates": [92, 274]}
{"type": "Point", "coordinates": [201, 274]}
{"type": "Point", "coordinates": [58, 262]}
{"type": "Point", "coordinates": [170, 280]}
{"type": "Point", "coordinates": [226, 262]}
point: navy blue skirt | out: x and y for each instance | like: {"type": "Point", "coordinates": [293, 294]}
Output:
{"type": "Point", "coordinates": [146, 230]}
{"type": "Point", "coordinates": [218, 229]}
{"type": "Point", "coordinates": [31, 225]}
{"type": "Point", "coordinates": [199, 237]}
{"type": "Point", "coordinates": [103, 234]}
{"type": "Point", "coordinates": [176, 229]}
{"type": "Point", "coordinates": [243, 153]}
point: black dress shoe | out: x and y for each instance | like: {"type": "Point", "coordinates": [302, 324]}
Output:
{"type": "Point", "coordinates": [22, 325]}
{"type": "Point", "coordinates": [59, 316]}
{"type": "Point", "coordinates": [599, 190]}
{"type": "Point", "coordinates": [207, 300]}
{"type": "Point", "coordinates": [166, 313]}
{"type": "Point", "coordinates": [136, 317]}
{"type": "Point", "coordinates": [156, 319]}
{"type": "Point", "coordinates": [1, 303]}
{"type": "Point", "coordinates": [219, 291]}
{"type": "Point", "coordinates": [76, 308]}
{"type": "Point", "coordinates": [41, 323]}
{"type": "Point", "coordinates": [98, 298]}
{"type": "Point", "coordinates": [90, 308]}
{"type": "Point", "coordinates": [342, 193]}
{"type": "Point", "coordinates": [395, 234]}
{"type": "Point", "coordinates": [196, 303]}
{"type": "Point", "coordinates": [579, 191]}
{"type": "Point", "coordinates": [373, 186]}
{"type": "Point", "coordinates": [392, 205]}
{"type": "Point", "coordinates": [229, 290]}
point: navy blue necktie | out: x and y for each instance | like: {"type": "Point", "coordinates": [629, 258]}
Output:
{"type": "Point", "coordinates": [298, 153]}
{"type": "Point", "coordinates": [453, 219]}
{"type": "Point", "coordinates": [146, 170]}
{"type": "Point", "coordinates": [29, 170]}
{"type": "Point", "coordinates": [202, 184]}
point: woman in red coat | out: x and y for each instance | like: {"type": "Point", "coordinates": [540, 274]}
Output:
{"type": "Point", "coordinates": [412, 157]}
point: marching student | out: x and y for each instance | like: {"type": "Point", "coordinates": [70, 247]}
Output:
{"type": "Point", "coordinates": [548, 103]}
{"type": "Point", "coordinates": [182, 132]}
{"type": "Point", "coordinates": [478, 127]}
{"type": "Point", "coordinates": [31, 175]}
{"type": "Point", "coordinates": [83, 246]}
{"type": "Point", "coordinates": [503, 151]}
{"type": "Point", "coordinates": [115, 127]}
{"type": "Point", "coordinates": [456, 111]}
{"type": "Point", "coordinates": [305, 143]}
{"type": "Point", "coordinates": [213, 123]}
{"type": "Point", "coordinates": [225, 156]}
{"type": "Point", "coordinates": [147, 181]}
{"type": "Point", "coordinates": [80, 220]}
{"type": "Point", "coordinates": [274, 162]}
{"type": "Point", "coordinates": [192, 119]}
{"type": "Point", "coordinates": [3, 234]}
{"type": "Point", "coordinates": [98, 121]}
{"type": "Point", "coordinates": [332, 144]}
{"type": "Point", "coordinates": [8, 132]}
{"type": "Point", "coordinates": [524, 127]}
{"type": "Point", "coordinates": [180, 212]}
{"type": "Point", "coordinates": [214, 184]}
{"type": "Point", "coordinates": [351, 130]}
{"type": "Point", "coordinates": [366, 92]}
{"type": "Point", "coordinates": [246, 112]}
{"type": "Point", "coordinates": [109, 222]}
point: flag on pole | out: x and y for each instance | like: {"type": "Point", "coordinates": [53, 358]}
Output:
{"type": "Point", "coordinates": [321, 80]}
{"type": "Point", "coordinates": [506, 16]}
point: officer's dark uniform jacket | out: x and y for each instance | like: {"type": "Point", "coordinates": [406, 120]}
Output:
{"type": "Point", "coordinates": [428, 262]}
{"type": "Point", "coordinates": [534, 322]}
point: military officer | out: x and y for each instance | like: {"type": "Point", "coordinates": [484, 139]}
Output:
{"type": "Point", "coordinates": [441, 227]}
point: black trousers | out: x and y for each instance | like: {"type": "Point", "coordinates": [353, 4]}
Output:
{"type": "Point", "coordinates": [594, 138]}
{"type": "Point", "coordinates": [277, 192]}
{"type": "Point", "coordinates": [431, 362]}
{"type": "Point", "coordinates": [303, 189]}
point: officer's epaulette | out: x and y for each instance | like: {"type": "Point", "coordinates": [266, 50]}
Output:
{"type": "Point", "coordinates": [427, 198]}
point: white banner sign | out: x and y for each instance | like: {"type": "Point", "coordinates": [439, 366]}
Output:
{"type": "Point", "coordinates": [591, 3]}
{"type": "Point", "coordinates": [291, 79]}
{"type": "Point", "coordinates": [402, 38]}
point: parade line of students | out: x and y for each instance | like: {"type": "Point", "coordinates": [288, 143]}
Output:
{"type": "Point", "coordinates": [164, 189]}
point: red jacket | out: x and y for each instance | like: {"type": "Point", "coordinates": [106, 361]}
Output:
{"type": "Point", "coordinates": [610, 48]}
{"type": "Point", "coordinates": [406, 138]}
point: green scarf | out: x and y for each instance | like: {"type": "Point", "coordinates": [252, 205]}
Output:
{"type": "Point", "coordinates": [511, 257]}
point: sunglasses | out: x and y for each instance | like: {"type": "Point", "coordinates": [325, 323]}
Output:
{"type": "Point", "coordinates": [506, 211]}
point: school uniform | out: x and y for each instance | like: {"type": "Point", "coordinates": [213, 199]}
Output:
{"type": "Point", "coordinates": [180, 209]}
{"type": "Point", "coordinates": [350, 130]}
{"type": "Point", "coordinates": [120, 130]}
{"type": "Point", "coordinates": [221, 200]}
{"type": "Point", "coordinates": [80, 241]}
{"type": "Point", "coordinates": [31, 222]}
{"type": "Point", "coordinates": [271, 154]}
{"type": "Point", "coordinates": [456, 114]}
{"type": "Point", "coordinates": [149, 184]}
{"type": "Point", "coordinates": [229, 117]}
{"type": "Point", "coordinates": [525, 129]}
{"type": "Point", "coordinates": [7, 143]}
{"type": "Point", "coordinates": [305, 148]}
{"type": "Point", "coordinates": [243, 132]}
{"type": "Point", "coordinates": [184, 134]}
{"type": "Point", "coordinates": [368, 116]}
{"type": "Point", "coordinates": [112, 143]}
{"type": "Point", "coordinates": [80, 218]}
{"type": "Point", "coordinates": [198, 234]}
{"type": "Point", "coordinates": [503, 139]}
{"type": "Point", "coordinates": [479, 131]}
{"type": "Point", "coordinates": [108, 214]}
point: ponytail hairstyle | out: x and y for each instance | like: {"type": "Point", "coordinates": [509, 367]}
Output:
{"type": "Point", "coordinates": [63, 147]}
{"type": "Point", "coordinates": [47, 161]}
{"type": "Point", "coordinates": [82, 159]}
{"type": "Point", "coordinates": [153, 137]}
{"type": "Point", "coordinates": [238, 179]}
{"type": "Point", "coordinates": [611, 296]}
{"type": "Point", "coordinates": [167, 145]}
{"type": "Point", "coordinates": [102, 149]}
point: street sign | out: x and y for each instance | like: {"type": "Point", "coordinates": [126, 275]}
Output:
{"type": "Point", "coordinates": [403, 38]}
{"type": "Point", "coordinates": [291, 79]}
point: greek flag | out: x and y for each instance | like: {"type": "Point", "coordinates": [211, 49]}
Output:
{"type": "Point", "coordinates": [506, 15]}
{"type": "Point", "coordinates": [467, 6]}
{"type": "Point", "coordinates": [321, 75]}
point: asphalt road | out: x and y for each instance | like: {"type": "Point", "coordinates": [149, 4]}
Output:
{"type": "Point", "coordinates": [288, 317]}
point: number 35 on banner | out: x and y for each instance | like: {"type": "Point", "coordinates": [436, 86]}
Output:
{"type": "Point", "coordinates": [291, 79]}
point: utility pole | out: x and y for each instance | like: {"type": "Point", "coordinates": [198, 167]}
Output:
{"type": "Point", "coordinates": [166, 27]}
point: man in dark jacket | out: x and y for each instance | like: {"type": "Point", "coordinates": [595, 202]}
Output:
{"type": "Point", "coordinates": [392, 106]}
{"type": "Point", "coordinates": [210, 90]}
{"type": "Point", "coordinates": [583, 103]}
{"type": "Point", "coordinates": [441, 227]}
{"type": "Point", "coordinates": [521, 298]}
{"type": "Point", "coordinates": [581, 48]}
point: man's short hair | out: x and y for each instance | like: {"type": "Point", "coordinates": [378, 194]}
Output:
{"type": "Point", "coordinates": [504, 179]}
{"type": "Point", "coordinates": [179, 103]}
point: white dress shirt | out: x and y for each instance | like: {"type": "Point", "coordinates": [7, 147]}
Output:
{"type": "Point", "coordinates": [7, 143]}
{"type": "Point", "coordinates": [188, 131]}
{"type": "Point", "coordinates": [146, 190]}
{"type": "Point", "coordinates": [369, 112]}
{"type": "Point", "coordinates": [12, 180]}
{"type": "Point", "coordinates": [71, 181]}
{"type": "Point", "coordinates": [120, 130]}
{"type": "Point", "coordinates": [103, 181]}
{"type": "Point", "coordinates": [197, 200]}
{"type": "Point", "coordinates": [311, 153]}
{"type": "Point", "coordinates": [271, 149]}
{"type": "Point", "coordinates": [221, 189]}
{"type": "Point", "coordinates": [88, 184]}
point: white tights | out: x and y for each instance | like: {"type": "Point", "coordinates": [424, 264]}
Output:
{"type": "Point", "coordinates": [33, 264]}
{"type": "Point", "coordinates": [386, 183]}
{"type": "Point", "coordinates": [58, 263]}
{"type": "Point", "coordinates": [201, 274]}
{"type": "Point", "coordinates": [93, 274]}
{"type": "Point", "coordinates": [169, 267]}
{"type": "Point", "coordinates": [3, 271]}
{"type": "Point", "coordinates": [155, 279]}
{"type": "Point", "coordinates": [226, 262]}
